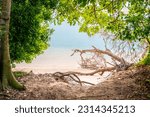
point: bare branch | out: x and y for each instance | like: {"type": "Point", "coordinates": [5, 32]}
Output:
{"type": "Point", "coordinates": [71, 75]}
{"type": "Point", "coordinates": [94, 72]}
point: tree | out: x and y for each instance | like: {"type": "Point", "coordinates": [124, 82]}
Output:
{"type": "Point", "coordinates": [126, 19]}
{"type": "Point", "coordinates": [7, 77]}
{"type": "Point", "coordinates": [29, 29]}
{"type": "Point", "coordinates": [29, 35]}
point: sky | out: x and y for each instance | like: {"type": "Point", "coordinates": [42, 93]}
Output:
{"type": "Point", "coordinates": [66, 36]}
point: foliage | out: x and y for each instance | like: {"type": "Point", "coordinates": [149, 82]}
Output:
{"type": "Point", "coordinates": [146, 59]}
{"type": "Point", "coordinates": [18, 74]}
{"type": "Point", "coordinates": [137, 21]}
{"type": "Point", "coordinates": [29, 29]}
{"type": "Point", "coordinates": [126, 19]}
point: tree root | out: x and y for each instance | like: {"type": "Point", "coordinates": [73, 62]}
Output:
{"type": "Point", "coordinates": [71, 75]}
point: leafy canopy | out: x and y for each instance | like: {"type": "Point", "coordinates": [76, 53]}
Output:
{"type": "Point", "coordinates": [127, 19]}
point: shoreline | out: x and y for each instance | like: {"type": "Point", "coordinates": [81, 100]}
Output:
{"type": "Point", "coordinates": [95, 79]}
{"type": "Point", "coordinates": [57, 60]}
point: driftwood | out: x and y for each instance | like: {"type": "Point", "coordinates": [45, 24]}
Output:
{"type": "Point", "coordinates": [65, 76]}
{"type": "Point", "coordinates": [102, 70]}
{"type": "Point", "coordinates": [100, 61]}
{"type": "Point", "coordinates": [117, 64]}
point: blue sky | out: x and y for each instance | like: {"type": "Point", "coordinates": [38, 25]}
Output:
{"type": "Point", "coordinates": [66, 36]}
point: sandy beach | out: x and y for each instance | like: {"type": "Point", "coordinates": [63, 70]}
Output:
{"type": "Point", "coordinates": [57, 60]}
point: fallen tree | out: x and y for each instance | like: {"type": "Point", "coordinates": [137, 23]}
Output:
{"type": "Point", "coordinates": [120, 56]}
{"type": "Point", "coordinates": [103, 65]}
{"type": "Point", "coordinates": [117, 63]}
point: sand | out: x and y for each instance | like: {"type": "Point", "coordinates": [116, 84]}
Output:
{"type": "Point", "coordinates": [58, 60]}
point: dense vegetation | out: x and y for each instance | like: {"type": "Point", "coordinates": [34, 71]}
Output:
{"type": "Point", "coordinates": [30, 32]}
{"type": "Point", "coordinates": [127, 19]}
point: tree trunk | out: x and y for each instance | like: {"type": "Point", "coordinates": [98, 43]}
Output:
{"type": "Point", "coordinates": [7, 78]}
{"type": "Point", "coordinates": [0, 62]}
